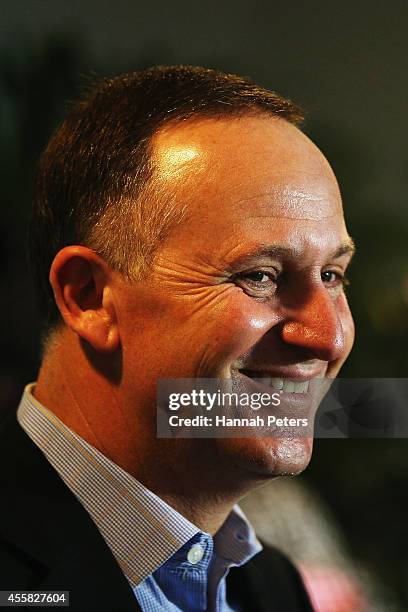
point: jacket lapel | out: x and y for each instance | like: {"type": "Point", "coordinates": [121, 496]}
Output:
{"type": "Point", "coordinates": [55, 541]}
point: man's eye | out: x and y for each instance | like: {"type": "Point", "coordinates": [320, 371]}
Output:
{"type": "Point", "coordinates": [332, 278]}
{"type": "Point", "coordinates": [259, 283]}
{"type": "Point", "coordinates": [257, 277]}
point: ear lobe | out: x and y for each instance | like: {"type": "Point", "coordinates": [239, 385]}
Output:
{"type": "Point", "coordinates": [80, 281]}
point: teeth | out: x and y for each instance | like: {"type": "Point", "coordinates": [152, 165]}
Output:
{"type": "Point", "coordinates": [302, 387]}
{"type": "Point", "coordinates": [277, 383]}
{"type": "Point", "coordinates": [288, 386]}
{"type": "Point", "coordinates": [285, 385]}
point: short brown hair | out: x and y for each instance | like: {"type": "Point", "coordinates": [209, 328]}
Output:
{"type": "Point", "coordinates": [97, 165]}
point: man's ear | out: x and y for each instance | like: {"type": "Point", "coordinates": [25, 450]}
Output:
{"type": "Point", "coordinates": [80, 281]}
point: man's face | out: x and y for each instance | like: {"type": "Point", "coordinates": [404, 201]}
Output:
{"type": "Point", "coordinates": [250, 284]}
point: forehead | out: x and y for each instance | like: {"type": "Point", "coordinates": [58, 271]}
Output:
{"type": "Point", "coordinates": [246, 175]}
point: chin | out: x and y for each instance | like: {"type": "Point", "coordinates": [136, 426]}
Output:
{"type": "Point", "coordinates": [267, 458]}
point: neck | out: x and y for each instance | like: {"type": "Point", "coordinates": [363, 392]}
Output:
{"type": "Point", "coordinates": [92, 403]}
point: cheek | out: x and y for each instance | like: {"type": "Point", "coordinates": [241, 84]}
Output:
{"type": "Point", "coordinates": [198, 337]}
{"type": "Point", "coordinates": [242, 322]}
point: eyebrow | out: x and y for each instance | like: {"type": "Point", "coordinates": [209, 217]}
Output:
{"type": "Point", "coordinates": [346, 248]}
{"type": "Point", "coordinates": [282, 252]}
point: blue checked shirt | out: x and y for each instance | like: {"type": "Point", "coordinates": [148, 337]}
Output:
{"type": "Point", "coordinates": [169, 563]}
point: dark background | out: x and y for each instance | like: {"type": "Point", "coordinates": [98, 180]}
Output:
{"type": "Point", "coordinates": [348, 67]}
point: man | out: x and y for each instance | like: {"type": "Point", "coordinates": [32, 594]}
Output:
{"type": "Point", "coordinates": [184, 227]}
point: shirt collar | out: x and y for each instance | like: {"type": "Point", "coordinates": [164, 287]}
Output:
{"type": "Point", "coordinates": [141, 529]}
{"type": "Point", "coordinates": [236, 541]}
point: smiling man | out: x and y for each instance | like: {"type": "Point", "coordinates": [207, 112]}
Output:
{"type": "Point", "coordinates": [184, 227]}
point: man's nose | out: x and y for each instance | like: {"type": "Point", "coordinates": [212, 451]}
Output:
{"type": "Point", "coordinates": [315, 326]}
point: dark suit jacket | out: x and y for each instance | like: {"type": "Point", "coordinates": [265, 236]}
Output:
{"type": "Point", "coordinates": [49, 542]}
